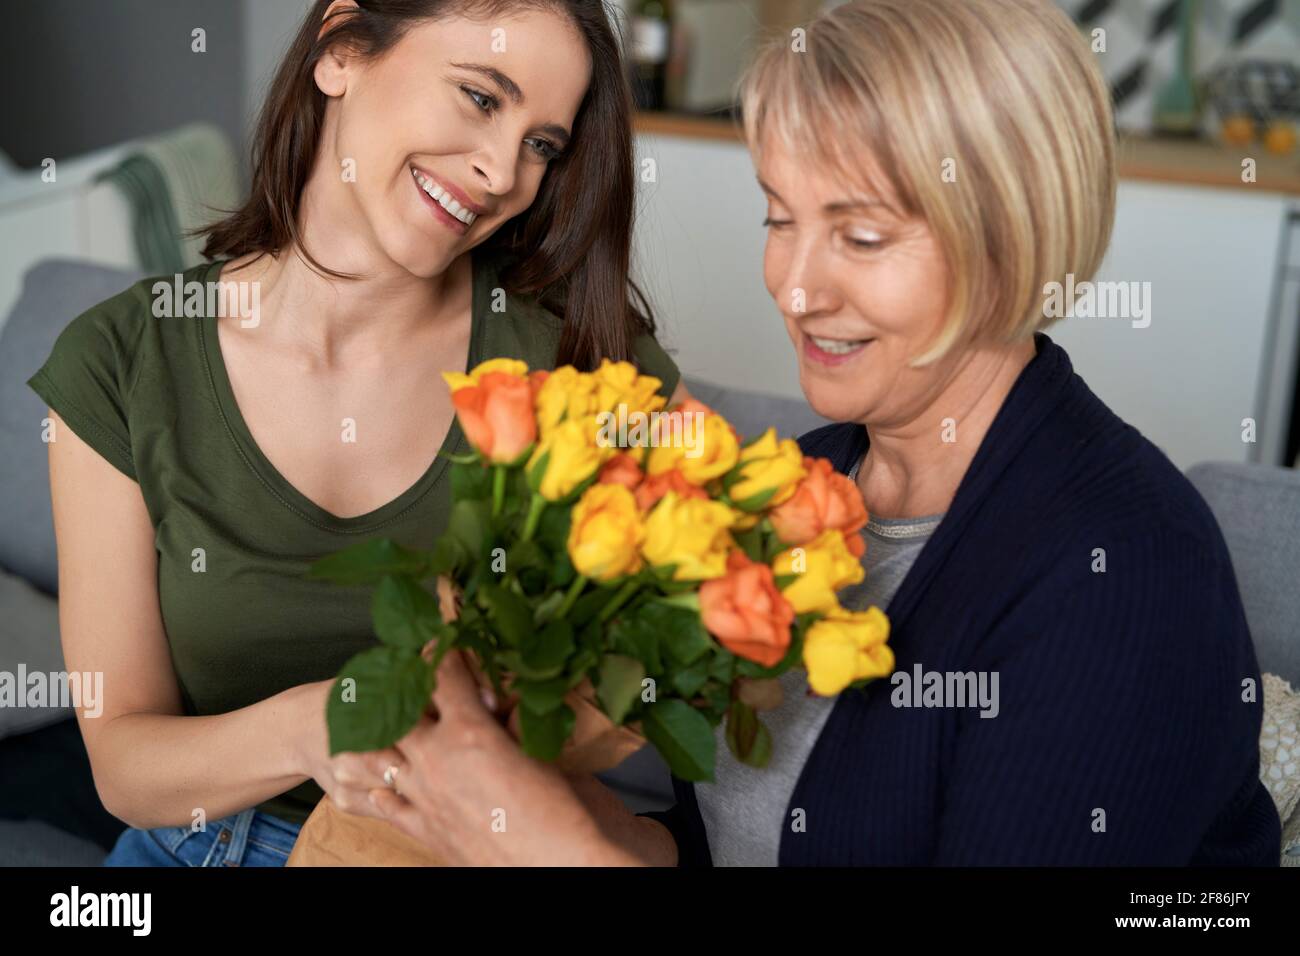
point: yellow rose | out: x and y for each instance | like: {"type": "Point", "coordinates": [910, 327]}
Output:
{"type": "Point", "coordinates": [605, 533]}
{"type": "Point", "coordinates": [690, 533]}
{"type": "Point", "coordinates": [768, 473]}
{"type": "Point", "coordinates": [619, 383]}
{"type": "Point", "coordinates": [566, 394]}
{"type": "Point", "coordinates": [459, 380]}
{"type": "Point", "coordinates": [847, 646]}
{"type": "Point", "coordinates": [820, 568]}
{"type": "Point", "coordinates": [571, 457]}
{"type": "Point", "coordinates": [695, 441]}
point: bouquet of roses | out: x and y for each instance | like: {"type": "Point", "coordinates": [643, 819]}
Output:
{"type": "Point", "coordinates": [623, 573]}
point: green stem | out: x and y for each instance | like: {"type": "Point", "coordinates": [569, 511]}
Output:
{"type": "Point", "coordinates": [629, 588]}
{"type": "Point", "coordinates": [690, 600]}
{"type": "Point", "coordinates": [498, 489]}
{"type": "Point", "coordinates": [575, 589]}
{"type": "Point", "coordinates": [535, 508]}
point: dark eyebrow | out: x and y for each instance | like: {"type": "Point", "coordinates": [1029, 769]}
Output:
{"type": "Point", "coordinates": [558, 133]}
{"type": "Point", "coordinates": [843, 205]}
{"type": "Point", "coordinates": [515, 94]}
{"type": "Point", "coordinates": [508, 86]}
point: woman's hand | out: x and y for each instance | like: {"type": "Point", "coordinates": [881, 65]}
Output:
{"type": "Point", "coordinates": [346, 778]}
{"type": "Point", "coordinates": [466, 791]}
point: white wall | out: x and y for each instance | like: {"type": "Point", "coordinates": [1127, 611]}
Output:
{"type": "Point", "coordinates": [1188, 380]}
{"type": "Point", "coordinates": [269, 25]}
{"type": "Point", "coordinates": [698, 255]}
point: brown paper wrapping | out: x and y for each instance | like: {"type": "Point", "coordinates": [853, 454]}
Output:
{"type": "Point", "coordinates": [331, 837]}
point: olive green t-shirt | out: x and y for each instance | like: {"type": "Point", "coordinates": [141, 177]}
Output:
{"type": "Point", "coordinates": [151, 395]}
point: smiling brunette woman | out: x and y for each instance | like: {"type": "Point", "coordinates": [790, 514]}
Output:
{"type": "Point", "coordinates": [435, 184]}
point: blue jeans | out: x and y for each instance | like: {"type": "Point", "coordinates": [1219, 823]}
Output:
{"type": "Point", "coordinates": [249, 838]}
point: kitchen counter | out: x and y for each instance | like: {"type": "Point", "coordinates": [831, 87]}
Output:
{"type": "Point", "coordinates": [1184, 162]}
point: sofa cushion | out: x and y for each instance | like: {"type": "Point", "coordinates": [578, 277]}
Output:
{"type": "Point", "coordinates": [33, 843]}
{"type": "Point", "coordinates": [1258, 508]}
{"type": "Point", "coordinates": [54, 292]}
{"type": "Point", "coordinates": [47, 777]}
{"type": "Point", "coordinates": [754, 412]}
{"type": "Point", "coordinates": [29, 644]}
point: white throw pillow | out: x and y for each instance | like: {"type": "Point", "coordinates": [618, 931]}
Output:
{"type": "Point", "coordinates": [1279, 760]}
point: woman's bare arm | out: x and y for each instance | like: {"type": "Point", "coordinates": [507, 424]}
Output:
{"type": "Point", "coordinates": [153, 766]}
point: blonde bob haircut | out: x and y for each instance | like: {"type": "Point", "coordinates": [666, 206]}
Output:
{"type": "Point", "coordinates": [988, 119]}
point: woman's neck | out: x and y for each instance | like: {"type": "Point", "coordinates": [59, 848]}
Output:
{"type": "Point", "coordinates": [913, 467]}
{"type": "Point", "coordinates": [328, 321]}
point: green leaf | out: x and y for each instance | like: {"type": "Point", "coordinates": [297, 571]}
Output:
{"type": "Point", "coordinates": [525, 554]}
{"type": "Point", "coordinates": [562, 572]}
{"type": "Point", "coordinates": [471, 481]}
{"type": "Point", "coordinates": [747, 738]}
{"type": "Point", "coordinates": [447, 556]}
{"type": "Point", "coordinates": [387, 689]}
{"type": "Point", "coordinates": [590, 604]}
{"type": "Point", "coordinates": [543, 735]}
{"type": "Point", "coordinates": [645, 629]}
{"type": "Point", "coordinates": [543, 656]}
{"type": "Point", "coordinates": [684, 636]}
{"type": "Point", "coordinates": [469, 525]}
{"type": "Point", "coordinates": [751, 542]}
{"type": "Point", "coordinates": [717, 697]}
{"type": "Point", "coordinates": [633, 637]}
{"type": "Point", "coordinates": [619, 685]}
{"type": "Point", "coordinates": [553, 530]}
{"type": "Point", "coordinates": [689, 680]}
{"type": "Point", "coordinates": [368, 561]}
{"type": "Point", "coordinates": [683, 737]}
{"type": "Point", "coordinates": [538, 471]}
{"type": "Point", "coordinates": [511, 617]}
{"type": "Point", "coordinates": [546, 607]}
{"type": "Point", "coordinates": [722, 666]}
{"type": "Point", "coordinates": [756, 502]}
{"type": "Point", "coordinates": [580, 663]}
{"type": "Point", "coordinates": [542, 697]}
{"type": "Point", "coordinates": [772, 544]}
{"type": "Point", "coordinates": [404, 614]}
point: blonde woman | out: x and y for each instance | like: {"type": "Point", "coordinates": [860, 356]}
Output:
{"type": "Point", "coordinates": [930, 165]}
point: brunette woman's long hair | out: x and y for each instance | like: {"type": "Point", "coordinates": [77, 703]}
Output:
{"type": "Point", "coordinates": [570, 249]}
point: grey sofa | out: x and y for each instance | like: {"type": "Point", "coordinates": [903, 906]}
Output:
{"type": "Point", "coordinates": [60, 822]}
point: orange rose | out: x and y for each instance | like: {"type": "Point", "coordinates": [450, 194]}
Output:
{"type": "Point", "coordinates": [824, 500]}
{"type": "Point", "coordinates": [746, 612]}
{"type": "Point", "coordinates": [655, 487]}
{"type": "Point", "coordinates": [496, 415]}
{"type": "Point", "coordinates": [623, 470]}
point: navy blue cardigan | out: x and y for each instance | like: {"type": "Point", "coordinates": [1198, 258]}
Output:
{"type": "Point", "coordinates": [1127, 733]}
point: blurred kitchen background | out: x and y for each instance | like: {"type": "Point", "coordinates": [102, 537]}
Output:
{"type": "Point", "coordinates": [118, 95]}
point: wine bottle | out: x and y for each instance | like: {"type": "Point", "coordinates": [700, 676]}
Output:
{"type": "Point", "coordinates": [651, 36]}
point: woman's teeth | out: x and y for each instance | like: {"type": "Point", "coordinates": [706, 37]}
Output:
{"type": "Point", "coordinates": [837, 346]}
{"type": "Point", "coordinates": [443, 198]}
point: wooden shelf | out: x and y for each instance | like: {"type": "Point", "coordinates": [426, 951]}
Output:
{"type": "Point", "coordinates": [1201, 163]}
{"type": "Point", "coordinates": [1185, 162]}
{"type": "Point", "coordinates": [689, 127]}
